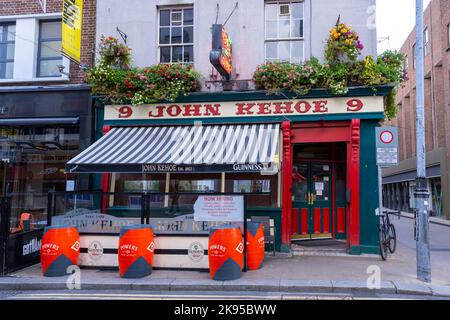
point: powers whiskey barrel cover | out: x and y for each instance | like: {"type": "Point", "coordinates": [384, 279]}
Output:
{"type": "Point", "coordinates": [60, 249]}
{"type": "Point", "coordinates": [136, 251]}
{"type": "Point", "coordinates": [225, 252]}
{"type": "Point", "coordinates": [255, 245]}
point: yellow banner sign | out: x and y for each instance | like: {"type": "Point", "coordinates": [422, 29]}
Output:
{"type": "Point", "coordinates": [71, 29]}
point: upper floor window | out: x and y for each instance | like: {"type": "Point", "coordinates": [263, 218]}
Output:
{"type": "Point", "coordinates": [284, 31]}
{"type": "Point", "coordinates": [414, 56]}
{"type": "Point", "coordinates": [7, 44]}
{"type": "Point", "coordinates": [426, 42]}
{"type": "Point", "coordinates": [176, 35]}
{"type": "Point", "coordinates": [448, 33]}
{"type": "Point", "coordinates": [49, 53]}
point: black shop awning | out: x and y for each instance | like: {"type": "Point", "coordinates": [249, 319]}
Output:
{"type": "Point", "coordinates": [213, 148]}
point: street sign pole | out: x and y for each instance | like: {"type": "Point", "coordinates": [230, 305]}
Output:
{"type": "Point", "coordinates": [421, 193]}
{"type": "Point", "coordinates": [380, 191]}
{"type": "Point", "coordinates": [387, 156]}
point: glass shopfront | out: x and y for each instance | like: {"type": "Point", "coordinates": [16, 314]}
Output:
{"type": "Point", "coordinates": [32, 163]}
{"type": "Point", "coordinates": [262, 190]}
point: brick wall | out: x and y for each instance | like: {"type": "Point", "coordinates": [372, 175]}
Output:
{"type": "Point", "coordinates": [437, 128]}
{"type": "Point", "coordinates": [23, 7]}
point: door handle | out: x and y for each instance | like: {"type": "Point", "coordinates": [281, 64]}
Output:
{"type": "Point", "coordinates": [309, 198]}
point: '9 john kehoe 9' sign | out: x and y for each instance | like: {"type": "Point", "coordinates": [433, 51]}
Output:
{"type": "Point", "coordinates": [246, 109]}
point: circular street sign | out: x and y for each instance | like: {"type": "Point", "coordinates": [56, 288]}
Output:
{"type": "Point", "coordinates": [386, 136]}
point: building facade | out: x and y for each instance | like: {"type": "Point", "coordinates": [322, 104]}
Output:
{"type": "Point", "coordinates": [45, 114]}
{"type": "Point", "coordinates": [317, 164]}
{"type": "Point", "coordinates": [258, 31]}
{"type": "Point", "coordinates": [398, 182]}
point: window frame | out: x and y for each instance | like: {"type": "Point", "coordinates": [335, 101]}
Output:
{"type": "Point", "coordinates": [426, 42]}
{"type": "Point", "coordinates": [448, 34]}
{"type": "Point", "coordinates": [40, 58]}
{"type": "Point", "coordinates": [4, 49]}
{"type": "Point", "coordinates": [182, 25]}
{"type": "Point", "coordinates": [290, 39]}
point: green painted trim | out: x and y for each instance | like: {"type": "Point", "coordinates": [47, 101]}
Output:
{"type": "Point", "coordinates": [285, 248]}
{"type": "Point", "coordinates": [370, 249]}
{"type": "Point", "coordinates": [276, 119]}
{"type": "Point", "coordinates": [355, 250]}
{"type": "Point", "coordinates": [262, 95]}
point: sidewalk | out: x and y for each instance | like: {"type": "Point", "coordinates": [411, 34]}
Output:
{"type": "Point", "coordinates": [434, 220]}
{"type": "Point", "coordinates": [280, 274]}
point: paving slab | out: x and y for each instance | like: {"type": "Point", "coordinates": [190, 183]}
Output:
{"type": "Point", "coordinates": [306, 286]}
{"type": "Point", "coordinates": [196, 285]}
{"type": "Point", "coordinates": [412, 288]}
{"type": "Point", "coordinates": [269, 285]}
{"type": "Point", "coordinates": [360, 287]}
{"type": "Point", "coordinates": [152, 284]}
{"type": "Point", "coordinates": [442, 291]}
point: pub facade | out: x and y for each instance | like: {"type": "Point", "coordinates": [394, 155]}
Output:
{"type": "Point", "coordinates": [306, 161]}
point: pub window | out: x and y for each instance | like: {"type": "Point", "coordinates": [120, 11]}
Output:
{"type": "Point", "coordinates": [261, 189]}
{"type": "Point", "coordinates": [136, 182]}
{"type": "Point", "coordinates": [176, 35]}
{"type": "Point", "coordinates": [49, 52]}
{"type": "Point", "coordinates": [7, 48]}
{"type": "Point", "coordinates": [284, 31]}
{"type": "Point", "coordinates": [195, 182]}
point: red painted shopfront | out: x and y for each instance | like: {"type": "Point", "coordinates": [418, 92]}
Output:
{"type": "Point", "coordinates": [323, 168]}
{"type": "Point", "coordinates": [343, 218]}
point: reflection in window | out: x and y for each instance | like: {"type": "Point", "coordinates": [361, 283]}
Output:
{"type": "Point", "coordinates": [195, 182]}
{"type": "Point", "coordinates": [7, 50]}
{"type": "Point", "coordinates": [262, 189]}
{"type": "Point", "coordinates": [284, 31]}
{"type": "Point", "coordinates": [36, 159]}
{"type": "Point", "coordinates": [176, 35]}
{"type": "Point", "coordinates": [49, 56]}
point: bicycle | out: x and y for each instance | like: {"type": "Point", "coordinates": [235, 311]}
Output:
{"type": "Point", "coordinates": [387, 234]}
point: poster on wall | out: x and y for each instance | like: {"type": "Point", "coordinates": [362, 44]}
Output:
{"type": "Point", "coordinates": [71, 29]}
{"type": "Point", "coordinates": [228, 208]}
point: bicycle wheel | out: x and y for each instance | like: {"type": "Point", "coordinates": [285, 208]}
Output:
{"type": "Point", "coordinates": [383, 244]}
{"type": "Point", "coordinates": [392, 239]}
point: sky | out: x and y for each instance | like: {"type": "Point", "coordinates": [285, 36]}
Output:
{"type": "Point", "coordinates": [395, 19]}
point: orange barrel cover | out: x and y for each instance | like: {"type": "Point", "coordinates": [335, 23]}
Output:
{"type": "Point", "coordinates": [60, 249]}
{"type": "Point", "coordinates": [225, 252]}
{"type": "Point", "coordinates": [255, 245]}
{"type": "Point", "coordinates": [136, 251]}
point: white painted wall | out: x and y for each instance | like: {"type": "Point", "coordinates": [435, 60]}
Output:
{"type": "Point", "coordinates": [26, 48]}
{"type": "Point", "coordinates": [139, 20]}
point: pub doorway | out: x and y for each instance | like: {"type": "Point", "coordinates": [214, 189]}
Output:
{"type": "Point", "coordinates": [319, 191]}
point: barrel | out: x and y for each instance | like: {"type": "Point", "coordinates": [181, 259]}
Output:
{"type": "Point", "coordinates": [225, 252]}
{"type": "Point", "coordinates": [255, 245]}
{"type": "Point", "coordinates": [136, 251]}
{"type": "Point", "coordinates": [60, 249]}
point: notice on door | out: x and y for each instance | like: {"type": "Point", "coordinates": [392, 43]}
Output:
{"type": "Point", "coordinates": [219, 208]}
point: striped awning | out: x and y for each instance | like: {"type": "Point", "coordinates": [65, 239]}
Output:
{"type": "Point", "coordinates": [211, 148]}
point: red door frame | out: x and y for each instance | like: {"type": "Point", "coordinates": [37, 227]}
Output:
{"type": "Point", "coordinates": [322, 132]}
{"type": "Point", "coordinates": [105, 178]}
